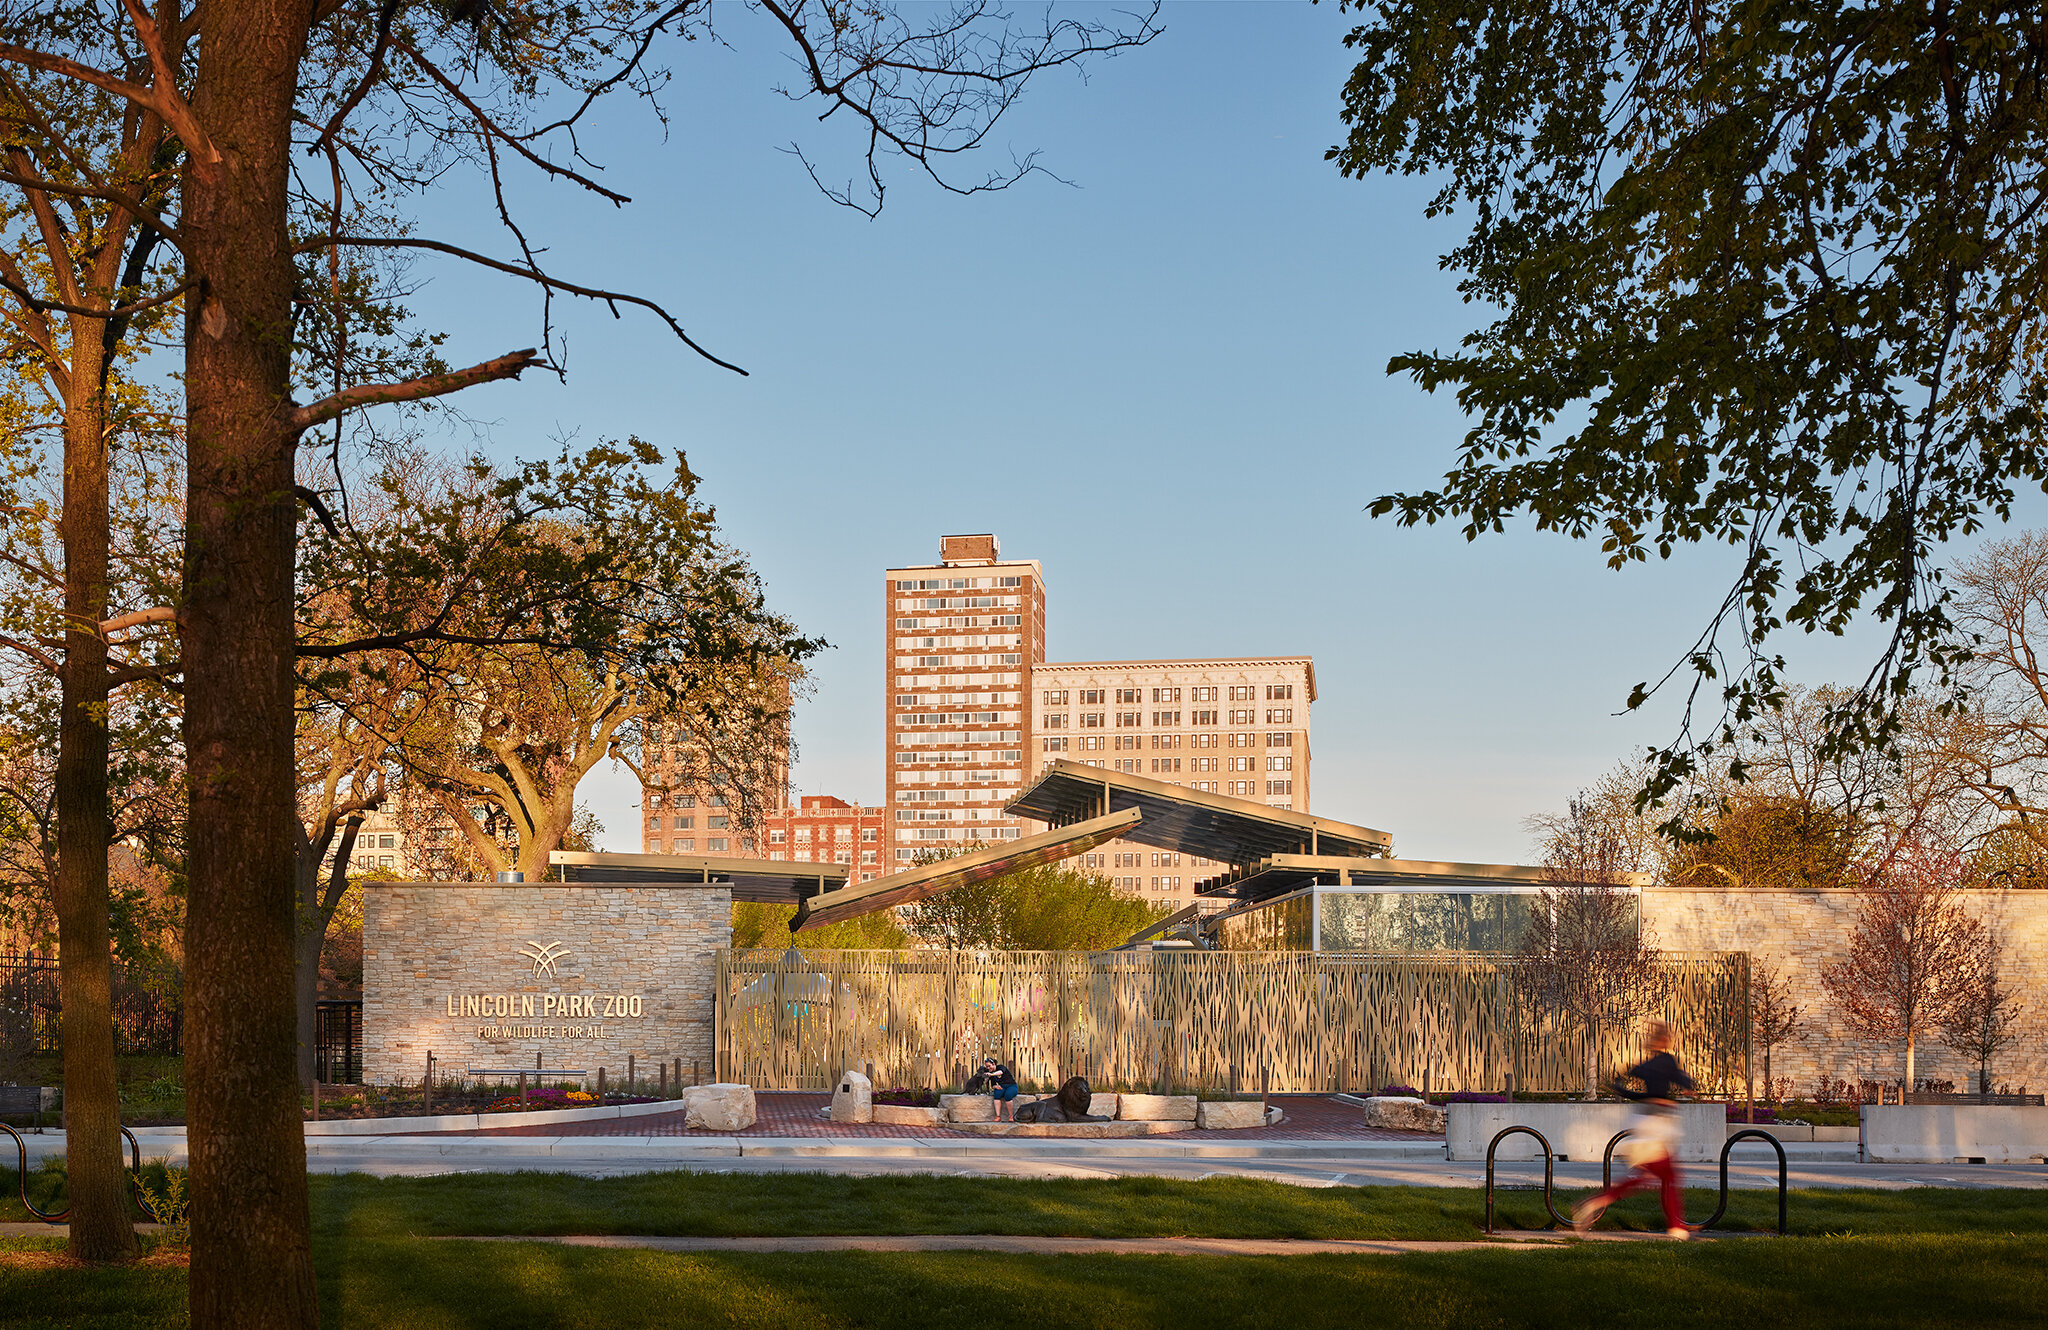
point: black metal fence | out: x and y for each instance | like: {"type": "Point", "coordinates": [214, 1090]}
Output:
{"type": "Point", "coordinates": [338, 1042]}
{"type": "Point", "coordinates": [148, 1015]}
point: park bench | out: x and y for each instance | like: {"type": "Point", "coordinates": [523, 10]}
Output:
{"type": "Point", "coordinates": [35, 1100]}
{"type": "Point", "coordinates": [539, 1074]}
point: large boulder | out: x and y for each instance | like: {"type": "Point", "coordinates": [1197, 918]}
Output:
{"type": "Point", "coordinates": [1155, 1107]}
{"type": "Point", "coordinates": [1402, 1113]}
{"type": "Point", "coordinates": [719, 1107]}
{"type": "Point", "coordinates": [853, 1099]}
{"type": "Point", "coordinates": [968, 1107]}
{"type": "Point", "coordinates": [1230, 1115]}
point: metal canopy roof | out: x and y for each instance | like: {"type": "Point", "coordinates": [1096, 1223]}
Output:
{"type": "Point", "coordinates": [1215, 826]}
{"type": "Point", "coordinates": [964, 870]}
{"type": "Point", "coordinates": [1282, 873]}
{"type": "Point", "coordinates": [771, 881]}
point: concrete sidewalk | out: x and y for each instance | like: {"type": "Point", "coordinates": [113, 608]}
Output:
{"type": "Point", "coordinates": [1048, 1246]}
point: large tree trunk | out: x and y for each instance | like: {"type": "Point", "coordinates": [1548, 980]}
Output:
{"type": "Point", "coordinates": [100, 1227]}
{"type": "Point", "coordinates": [251, 1254]}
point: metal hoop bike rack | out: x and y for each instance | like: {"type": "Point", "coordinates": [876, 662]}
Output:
{"type": "Point", "coordinates": [1747, 1133]}
{"type": "Point", "coordinates": [1548, 1175]}
{"type": "Point", "coordinates": [134, 1177]}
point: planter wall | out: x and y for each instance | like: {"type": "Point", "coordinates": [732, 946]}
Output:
{"type": "Point", "coordinates": [1578, 1131]}
{"type": "Point", "coordinates": [1945, 1133]}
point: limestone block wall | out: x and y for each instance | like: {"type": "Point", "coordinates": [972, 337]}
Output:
{"type": "Point", "coordinates": [1800, 931]}
{"type": "Point", "coordinates": [579, 974]}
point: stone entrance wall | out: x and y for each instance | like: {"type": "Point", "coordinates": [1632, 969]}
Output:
{"type": "Point", "coordinates": [580, 974]}
{"type": "Point", "coordinates": [1800, 931]}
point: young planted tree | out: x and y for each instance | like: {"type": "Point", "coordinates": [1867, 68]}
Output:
{"type": "Point", "coordinates": [1774, 1016]}
{"type": "Point", "coordinates": [1582, 960]}
{"type": "Point", "coordinates": [386, 95]}
{"type": "Point", "coordinates": [1911, 951]}
{"type": "Point", "coordinates": [1982, 1016]}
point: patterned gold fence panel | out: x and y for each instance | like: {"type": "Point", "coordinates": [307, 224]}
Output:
{"type": "Point", "coordinates": [1185, 1019]}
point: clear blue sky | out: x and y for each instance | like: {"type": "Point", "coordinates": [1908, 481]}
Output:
{"type": "Point", "coordinates": [1167, 383]}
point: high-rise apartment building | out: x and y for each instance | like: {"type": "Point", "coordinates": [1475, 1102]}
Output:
{"type": "Point", "coordinates": [1237, 727]}
{"type": "Point", "coordinates": [963, 636]}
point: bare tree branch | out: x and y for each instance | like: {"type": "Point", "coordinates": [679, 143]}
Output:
{"type": "Point", "coordinates": [413, 390]}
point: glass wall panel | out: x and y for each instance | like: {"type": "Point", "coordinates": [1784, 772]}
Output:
{"type": "Point", "coordinates": [1280, 925]}
{"type": "Point", "coordinates": [1403, 921]}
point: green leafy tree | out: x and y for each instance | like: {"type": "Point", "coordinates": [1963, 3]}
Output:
{"type": "Point", "coordinates": [757, 924]}
{"type": "Point", "coordinates": [1054, 907]}
{"type": "Point", "coordinates": [1766, 277]}
{"type": "Point", "coordinates": [388, 97]}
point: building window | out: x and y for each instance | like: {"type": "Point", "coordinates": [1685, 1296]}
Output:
{"type": "Point", "coordinates": [1201, 695]}
{"type": "Point", "coordinates": [654, 824]}
{"type": "Point", "coordinates": [1166, 741]}
{"type": "Point", "coordinates": [1127, 696]}
{"type": "Point", "coordinates": [1202, 741]}
{"type": "Point", "coordinates": [685, 846]}
{"type": "Point", "coordinates": [1166, 694]}
{"type": "Point", "coordinates": [1285, 763]}
{"type": "Point", "coordinates": [803, 835]}
{"type": "Point", "coordinates": [1279, 715]}
{"type": "Point", "coordinates": [1009, 581]}
{"type": "Point", "coordinates": [654, 801]}
{"type": "Point", "coordinates": [1201, 718]}
{"type": "Point", "coordinates": [1165, 764]}
{"type": "Point", "coordinates": [1166, 718]}
{"type": "Point", "coordinates": [1244, 716]}
{"type": "Point", "coordinates": [1055, 744]}
{"type": "Point", "coordinates": [1279, 787]}
{"type": "Point", "coordinates": [716, 801]}
{"type": "Point", "coordinates": [777, 837]}
{"type": "Point", "coordinates": [870, 833]}
{"type": "Point", "coordinates": [1243, 788]}
{"type": "Point", "coordinates": [1053, 722]}
{"type": "Point", "coordinates": [716, 845]}
{"type": "Point", "coordinates": [1280, 740]}
{"type": "Point", "coordinates": [717, 823]}
{"type": "Point", "coordinates": [1243, 692]}
{"type": "Point", "coordinates": [1279, 692]}
{"type": "Point", "coordinates": [1207, 786]}
{"type": "Point", "coordinates": [1129, 720]}
{"type": "Point", "coordinates": [867, 856]}
{"type": "Point", "coordinates": [1055, 697]}
{"type": "Point", "coordinates": [684, 823]}
{"type": "Point", "coordinates": [686, 801]}
{"type": "Point", "coordinates": [1201, 764]}
{"type": "Point", "coordinates": [1092, 697]}
{"type": "Point", "coordinates": [1165, 860]}
{"type": "Point", "coordinates": [1092, 720]}
{"type": "Point", "coordinates": [1089, 742]}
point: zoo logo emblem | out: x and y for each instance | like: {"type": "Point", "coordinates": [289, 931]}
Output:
{"type": "Point", "coordinates": [544, 956]}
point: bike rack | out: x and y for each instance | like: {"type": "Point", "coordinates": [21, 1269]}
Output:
{"type": "Point", "coordinates": [1747, 1133]}
{"type": "Point", "coordinates": [1548, 1167]}
{"type": "Point", "coordinates": [134, 1177]}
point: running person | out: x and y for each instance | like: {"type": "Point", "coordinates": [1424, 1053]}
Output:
{"type": "Point", "coordinates": [1654, 1147]}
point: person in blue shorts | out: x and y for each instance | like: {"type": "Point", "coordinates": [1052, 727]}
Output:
{"type": "Point", "coordinates": [994, 1080]}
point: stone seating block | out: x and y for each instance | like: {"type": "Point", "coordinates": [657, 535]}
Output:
{"type": "Point", "coordinates": [719, 1107]}
{"type": "Point", "coordinates": [1155, 1107]}
{"type": "Point", "coordinates": [853, 1099]}
{"type": "Point", "coordinates": [1230, 1115]}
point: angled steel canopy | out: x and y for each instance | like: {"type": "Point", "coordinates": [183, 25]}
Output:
{"type": "Point", "coordinates": [1215, 826]}
{"type": "Point", "coordinates": [975, 866]}
{"type": "Point", "coordinates": [1281, 873]}
{"type": "Point", "coordinates": [770, 881]}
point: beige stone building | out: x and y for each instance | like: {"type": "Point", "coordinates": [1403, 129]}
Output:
{"type": "Point", "coordinates": [1231, 726]}
{"type": "Point", "coordinates": [962, 637]}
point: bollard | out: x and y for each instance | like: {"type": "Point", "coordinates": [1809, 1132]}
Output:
{"type": "Point", "coordinates": [600, 1085]}
{"type": "Point", "coordinates": [427, 1087]}
{"type": "Point", "coordinates": [316, 1099]}
{"type": "Point", "coordinates": [696, 1076]}
{"type": "Point", "coordinates": [522, 1092]}
{"type": "Point", "coordinates": [679, 1075]}
{"type": "Point", "coordinates": [1511, 1087]}
{"type": "Point", "coordinates": [664, 1080]}
{"type": "Point", "coordinates": [631, 1079]}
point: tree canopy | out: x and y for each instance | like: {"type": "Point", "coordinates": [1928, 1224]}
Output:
{"type": "Point", "coordinates": [1766, 276]}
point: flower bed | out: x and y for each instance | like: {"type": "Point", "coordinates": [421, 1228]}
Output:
{"type": "Point", "coordinates": [902, 1097]}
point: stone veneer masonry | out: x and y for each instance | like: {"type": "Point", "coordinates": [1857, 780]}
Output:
{"type": "Point", "coordinates": [632, 973]}
{"type": "Point", "coordinates": [1800, 931]}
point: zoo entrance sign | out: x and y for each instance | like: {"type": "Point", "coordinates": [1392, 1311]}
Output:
{"type": "Point", "coordinates": [555, 1015]}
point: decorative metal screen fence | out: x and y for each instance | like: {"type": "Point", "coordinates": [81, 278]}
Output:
{"type": "Point", "coordinates": [338, 1041]}
{"type": "Point", "coordinates": [28, 1006]}
{"type": "Point", "coordinates": [1192, 1020]}
{"type": "Point", "coordinates": [148, 1017]}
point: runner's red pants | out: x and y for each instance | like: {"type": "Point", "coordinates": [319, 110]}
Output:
{"type": "Point", "coordinates": [1665, 1171]}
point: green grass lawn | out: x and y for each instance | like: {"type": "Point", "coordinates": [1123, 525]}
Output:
{"type": "Point", "coordinates": [399, 1284]}
{"type": "Point", "coordinates": [1921, 1258]}
{"type": "Point", "coordinates": [744, 1204]}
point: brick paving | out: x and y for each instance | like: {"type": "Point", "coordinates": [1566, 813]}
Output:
{"type": "Point", "coordinates": [792, 1113]}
